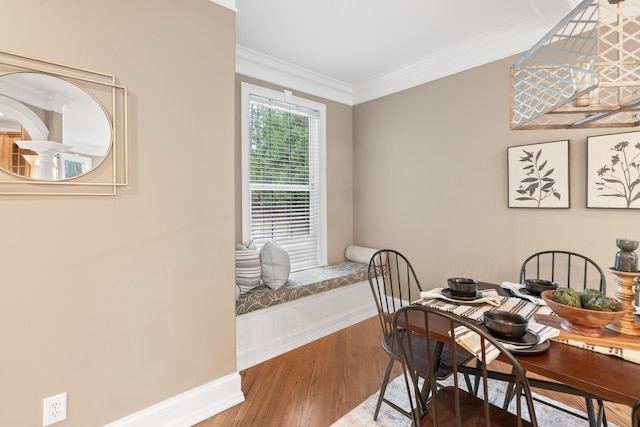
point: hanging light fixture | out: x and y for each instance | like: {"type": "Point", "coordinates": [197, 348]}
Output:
{"type": "Point", "coordinates": [584, 73]}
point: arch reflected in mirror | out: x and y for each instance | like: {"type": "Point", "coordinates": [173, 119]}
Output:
{"type": "Point", "coordinates": [50, 129]}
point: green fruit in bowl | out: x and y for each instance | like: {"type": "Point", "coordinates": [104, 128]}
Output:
{"type": "Point", "coordinates": [593, 303]}
{"type": "Point", "coordinates": [609, 304]}
{"type": "Point", "coordinates": [588, 296]}
{"type": "Point", "coordinates": [590, 299]}
{"type": "Point", "coordinates": [566, 296]}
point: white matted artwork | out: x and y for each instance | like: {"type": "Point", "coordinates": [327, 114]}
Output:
{"type": "Point", "coordinates": [70, 165]}
{"type": "Point", "coordinates": [613, 171]}
{"type": "Point", "coordinates": [539, 175]}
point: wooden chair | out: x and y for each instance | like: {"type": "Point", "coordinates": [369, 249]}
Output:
{"type": "Point", "coordinates": [394, 284]}
{"type": "Point", "coordinates": [635, 415]}
{"type": "Point", "coordinates": [454, 405]}
{"type": "Point", "coordinates": [569, 270]}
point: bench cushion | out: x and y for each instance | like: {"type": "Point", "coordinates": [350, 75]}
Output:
{"type": "Point", "coordinates": [302, 284]}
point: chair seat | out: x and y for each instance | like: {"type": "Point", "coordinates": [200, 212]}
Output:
{"type": "Point", "coordinates": [390, 345]}
{"type": "Point", "coordinates": [471, 410]}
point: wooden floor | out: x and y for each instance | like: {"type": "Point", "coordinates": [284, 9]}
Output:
{"type": "Point", "coordinates": [315, 385]}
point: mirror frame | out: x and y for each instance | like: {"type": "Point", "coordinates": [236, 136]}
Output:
{"type": "Point", "coordinates": [112, 172]}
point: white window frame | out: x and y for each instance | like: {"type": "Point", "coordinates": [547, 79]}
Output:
{"type": "Point", "coordinates": [247, 90]}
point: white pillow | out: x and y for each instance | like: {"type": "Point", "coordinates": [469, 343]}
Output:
{"type": "Point", "coordinates": [248, 268]}
{"type": "Point", "coordinates": [359, 254]}
{"type": "Point", "coordinates": [276, 265]}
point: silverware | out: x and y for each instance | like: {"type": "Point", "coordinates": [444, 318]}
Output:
{"type": "Point", "coordinates": [516, 293]}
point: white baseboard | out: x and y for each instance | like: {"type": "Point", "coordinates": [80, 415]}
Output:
{"type": "Point", "coordinates": [261, 335]}
{"type": "Point", "coordinates": [269, 332]}
{"type": "Point", "coordinates": [190, 407]}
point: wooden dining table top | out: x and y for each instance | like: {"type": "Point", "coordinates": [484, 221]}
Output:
{"type": "Point", "coordinates": [610, 377]}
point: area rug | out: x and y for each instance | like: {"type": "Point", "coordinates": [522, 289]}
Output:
{"type": "Point", "coordinates": [362, 416]}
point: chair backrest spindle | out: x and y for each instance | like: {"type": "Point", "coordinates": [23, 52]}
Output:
{"type": "Point", "coordinates": [393, 283]}
{"type": "Point", "coordinates": [453, 404]}
{"type": "Point", "coordinates": [580, 271]}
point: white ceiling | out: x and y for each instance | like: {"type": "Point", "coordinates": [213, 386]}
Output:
{"type": "Point", "coordinates": [352, 51]}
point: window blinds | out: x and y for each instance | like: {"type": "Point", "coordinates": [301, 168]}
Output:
{"type": "Point", "coordinates": [284, 181]}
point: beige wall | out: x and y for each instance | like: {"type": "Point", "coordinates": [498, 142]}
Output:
{"type": "Point", "coordinates": [125, 301]}
{"type": "Point", "coordinates": [430, 179]}
{"type": "Point", "coordinates": [339, 170]}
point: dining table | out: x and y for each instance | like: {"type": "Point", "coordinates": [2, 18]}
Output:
{"type": "Point", "coordinates": [606, 376]}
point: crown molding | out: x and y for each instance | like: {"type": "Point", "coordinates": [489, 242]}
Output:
{"type": "Point", "coordinates": [444, 63]}
{"type": "Point", "coordinates": [257, 65]}
{"type": "Point", "coordinates": [229, 4]}
{"type": "Point", "coordinates": [447, 62]}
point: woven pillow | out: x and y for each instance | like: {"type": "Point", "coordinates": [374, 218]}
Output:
{"type": "Point", "coordinates": [248, 269]}
{"type": "Point", "coordinates": [276, 265]}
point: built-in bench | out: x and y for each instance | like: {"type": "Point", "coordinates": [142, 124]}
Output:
{"type": "Point", "coordinates": [302, 284]}
{"type": "Point", "coordinates": [312, 304]}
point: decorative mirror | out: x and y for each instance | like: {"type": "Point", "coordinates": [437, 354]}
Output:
{"type": "Point", "coordinates": [62, 129]}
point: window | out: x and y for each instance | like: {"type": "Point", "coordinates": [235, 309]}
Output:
{"type": "Point", "coordinates": [283, 174]}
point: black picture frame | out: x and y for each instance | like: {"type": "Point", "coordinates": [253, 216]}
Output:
{"type": "Point", "coordinates": [538, 175]}
{"type": "Point", "coordinates": [613, 171]}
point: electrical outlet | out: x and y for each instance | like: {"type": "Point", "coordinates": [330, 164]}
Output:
{"type": "Point", "coordinates": [54, 409]}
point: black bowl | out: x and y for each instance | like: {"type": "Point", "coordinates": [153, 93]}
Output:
{"type": "Point", "coordinates": [538, 286]}
{"type": "Point", "coordinates": [506, 324]}
{"type": "Point", "coordinates": [462, 287]}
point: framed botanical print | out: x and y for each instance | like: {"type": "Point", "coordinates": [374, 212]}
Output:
{"type": "Point", "coordinates": [613, 171]}
{"type": "Point", "coordinates": [539, 175]}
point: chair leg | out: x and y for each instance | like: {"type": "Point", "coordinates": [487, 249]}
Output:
{"type": "Point", "coordinates": [598, 419]}
{"type": "Point", "coordinates": [593, 422]}
{"type": "Point", "coordinates": [476, 383]}
{"type": "Point", "coordinates": [509, 393]}
{"type": "Point", "coordinates": [419, 409]}
{"type": "Point", "coordinates": [385, 381]}
{"type": "Point", "coordinates": [601, 417]}
{"type": "Point", "coordinates": [467, 380]}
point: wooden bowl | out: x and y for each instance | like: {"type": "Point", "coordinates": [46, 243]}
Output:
{"type": "Point", "coordinates": [582, 321]}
